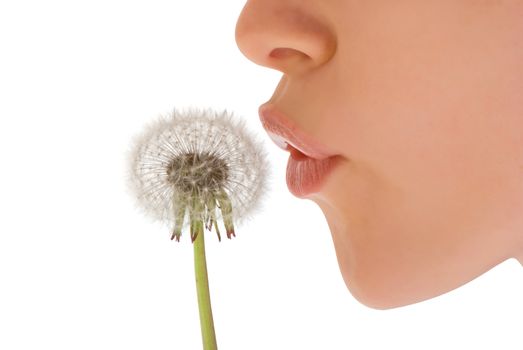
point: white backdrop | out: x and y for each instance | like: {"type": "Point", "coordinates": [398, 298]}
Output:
{"type": "Point", "coordinates": [81, 268]}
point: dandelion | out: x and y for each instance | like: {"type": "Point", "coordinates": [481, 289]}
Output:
{"type": "Point", "coordinates": [195, 169]}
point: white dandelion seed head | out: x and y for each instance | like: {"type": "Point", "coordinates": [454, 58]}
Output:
{"type": "Point", "coordinates": [190, 156]}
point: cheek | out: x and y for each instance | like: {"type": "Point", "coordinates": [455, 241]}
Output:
{"type": "Point", "coordinates": [408, 227]}
{"type": "Point", "coordinates": [384, 248]}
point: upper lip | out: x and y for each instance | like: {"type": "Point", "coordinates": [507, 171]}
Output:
{"type": "Point", "coordinates": [284, 132]}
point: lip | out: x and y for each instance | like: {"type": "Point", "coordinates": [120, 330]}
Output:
{"type": "Point", "coordinates": [309, 162]}
{"type": "Point", "coordinates": [284, 132]}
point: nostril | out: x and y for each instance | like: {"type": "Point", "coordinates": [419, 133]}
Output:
{"type": "Point", "coordinates": [285, 52]}
{"type": "Point", "coordinates": [289, 61]}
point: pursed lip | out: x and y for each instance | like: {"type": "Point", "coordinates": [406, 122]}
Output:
{"type": "Point", "coordinates": [284, 132]}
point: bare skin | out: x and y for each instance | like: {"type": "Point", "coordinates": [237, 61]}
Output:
{"type": "Point", "coordinates": [424, 102]}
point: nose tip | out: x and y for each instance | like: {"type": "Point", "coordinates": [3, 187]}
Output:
{"type": "Point", "coordinates": [283, 36]}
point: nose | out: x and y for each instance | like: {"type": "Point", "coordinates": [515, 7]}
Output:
{"type": "Point", "coordinates": [289, 36]}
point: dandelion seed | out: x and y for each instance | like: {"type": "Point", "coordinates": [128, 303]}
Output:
{"type": "Point", "coordinates": [198, 165]}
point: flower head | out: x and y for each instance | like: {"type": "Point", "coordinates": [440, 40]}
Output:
{"type": "Point", "coordinates": [198, 164]}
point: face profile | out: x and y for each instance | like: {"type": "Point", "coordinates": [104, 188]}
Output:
{"type": "Point", "coordinates": [404, 124]}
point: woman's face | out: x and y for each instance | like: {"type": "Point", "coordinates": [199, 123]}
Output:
{"type": "Point", "coordinates": [423, 100]}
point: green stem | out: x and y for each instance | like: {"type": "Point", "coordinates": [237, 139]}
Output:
{"type": "Point", "coordinates": [202, 289]}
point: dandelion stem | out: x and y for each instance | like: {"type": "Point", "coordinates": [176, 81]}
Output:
{"type": "Point", "coordinates": [202, 289]}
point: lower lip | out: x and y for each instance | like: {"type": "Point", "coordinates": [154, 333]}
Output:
{"type": "Point", "coordinates": [306, 175]}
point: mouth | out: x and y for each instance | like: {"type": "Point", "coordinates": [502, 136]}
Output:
{"type": "Point", "coordinates": [296, 154]}
{"type": "Point", "coordinates": [309, 162]}
{"type": "Point", "coordinates": [286, 135]}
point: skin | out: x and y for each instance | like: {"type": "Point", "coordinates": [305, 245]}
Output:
{"type": "Point", "coordinates": [424, 102]}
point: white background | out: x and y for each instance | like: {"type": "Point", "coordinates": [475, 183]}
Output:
{"type": "Point", "coordinates": [81, 268]}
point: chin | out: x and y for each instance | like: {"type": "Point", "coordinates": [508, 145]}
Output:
{"type": "Point", "coordinates": [380, 296]}
{"type": "Point", "coordinates": [374, 274]}
{"type": "Point", "coordinates": [378, 285]}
